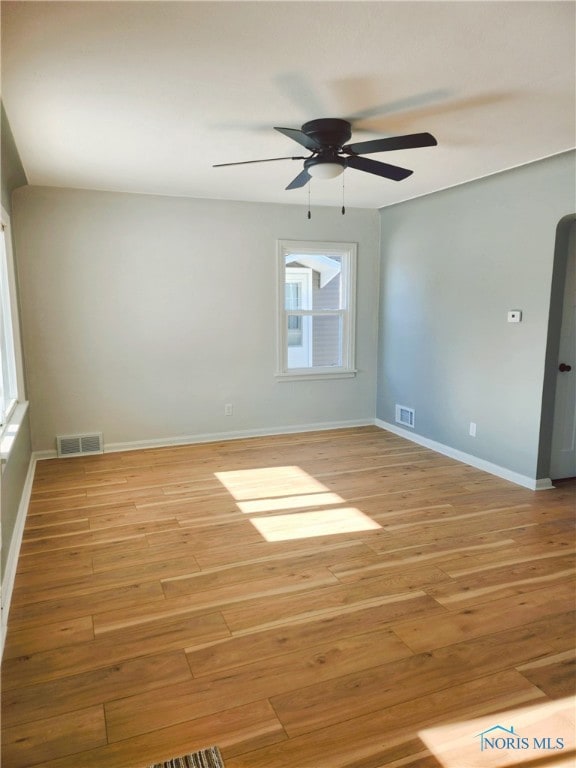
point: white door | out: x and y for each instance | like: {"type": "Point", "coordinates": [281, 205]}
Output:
{"type": "Point", "coordinates": [563, 459]}
{"type": "Point", "coordinates": [299, 296]}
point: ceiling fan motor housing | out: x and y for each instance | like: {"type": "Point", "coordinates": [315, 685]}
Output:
{"type": "Point", "coordinates": [328, 132]}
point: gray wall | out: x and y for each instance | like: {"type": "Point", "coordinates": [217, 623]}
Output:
{"type": "Point", "coordinates": [142, 315]}
{"type": "Point", "coordinates": [14, 473]}
{"type": "Point", "coordinates": [453, 264]}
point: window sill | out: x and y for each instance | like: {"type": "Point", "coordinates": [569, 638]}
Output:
{"type": "Point", "coordinates": [10, 430]}
{"type": "Point", "coordinates": [316, 375]}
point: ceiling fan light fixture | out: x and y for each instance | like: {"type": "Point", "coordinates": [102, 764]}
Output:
{"type": "Point", "coordinates": [325, 170]}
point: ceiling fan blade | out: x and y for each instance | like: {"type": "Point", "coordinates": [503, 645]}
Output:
{"type": "Point", "coordinates": [411, 141]}
{"type": "Point", "coordinates": [300, 181]}
{"type": "Point", "coordinates": [393, 172]}
{"type": "Point", "coordinates": [248, 162]}
{"type": "Point", "coordinates": [297, 135]}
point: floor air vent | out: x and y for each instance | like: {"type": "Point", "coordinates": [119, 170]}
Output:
{"type": "Point", "coordinates": [405, 416]}
{"type": "Point", "coordinates": [79, 445]}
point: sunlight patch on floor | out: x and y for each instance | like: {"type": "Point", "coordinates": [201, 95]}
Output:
{"type": "Point", "coordinates": [285, 489]}
{"type": "Point", "coordinates": [541, 734]}
{"type": "Point", "coordinates": [305, 525]}
{"type": "Point", "coordinates": [269, 482]}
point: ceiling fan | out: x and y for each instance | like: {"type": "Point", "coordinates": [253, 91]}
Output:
{"type": "Point", "coordinates": [331, 155]}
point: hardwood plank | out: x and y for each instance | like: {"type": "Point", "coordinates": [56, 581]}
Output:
{"type": "Point", "coordinates": [41, 569]}
{"type": "Point", "coordinates": [558, 631]}
{"type": "Point", "coordinates": [412, 556]}
{"type": "Point", "coordinates": [56, 564]}
{"type": "Point", "coordinates": [108, 560]}
{"type": "Point", "coordinates": [565, 525]}
{"type": "Point", "coordinates": [80, 691]}
{"type": "Point", "coordinates": [334, 599]}
{"type": "Point", "coordinates": [53, 737]}
{"type": "Point", "coordinates": [500, 582]}
{"type": "Point", "coordinates": [555, 675]}
{"type": "Point", "coordinates": [250, 682]}
{"type": "Point", "coordinates": [58, 487]}
{"type": "Point", "coordinates": [478, 522]}
{"type": "Point", "coordinates": [448, 513]}
{"type": "Point", "coordinates": [90, 538]}
{"type": "Point", "coordinates": [39, 514]}
{"type": "Point", "coordinates": [213, 599]}
{"type": "Point", "coordinates": [117, 598]}
{"type": "Point", "coordinates": [277, 565]}
{"type": "Point", "coordinates": [66, 492]}
{"type": "Point", "coordinates": [224, 553]}
{"type": "Point", "coordinates": [130, 516]}
{"type": "Point", "coordinates": [486, 618]}
{"type": "Point", "coordinates": [239, 650]}
{"type": "Point", "coordinates": [234, 729]}
{"type": "Point", "coordinates": [113, 648]}
{"type": "Point", "coordinates": [378, 688]}
{"type": "Point", "coordinates": [95, 582]}
{"type": "Point", "coordinates": [373, 739]}
{"type": "Point", "coordinates": [55, 529]}
{"type": "Point", "coordinates": [517, 555]}
{"type": "Point", "coordinates": [60, 634]}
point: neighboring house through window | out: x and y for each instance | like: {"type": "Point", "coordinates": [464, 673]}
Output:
{"type": "Point", "coordinates": [316, 304]}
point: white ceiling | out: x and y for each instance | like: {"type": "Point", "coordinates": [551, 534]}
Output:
{"type": "Point", "coordinates": [146, 96]}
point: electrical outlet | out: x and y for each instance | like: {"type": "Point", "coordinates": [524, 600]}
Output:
{"type": "Point", "coordinates": [472, 430]}
{"type": "Point", "coordinates": [228, 409]}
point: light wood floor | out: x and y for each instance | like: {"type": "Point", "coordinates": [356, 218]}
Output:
{"type": "Point", "coordinates": [312, 601]}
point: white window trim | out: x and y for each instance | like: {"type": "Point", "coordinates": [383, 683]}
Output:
{"type": "Point", "coordinates": [15, 322]}
{"type": "Point", "coordinates": [347, 251]}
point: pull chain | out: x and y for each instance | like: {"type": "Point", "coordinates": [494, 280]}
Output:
{"type": "Point", "coordinates": [343, 206]}
{"type": "Point", "coordinates": [309, 213]}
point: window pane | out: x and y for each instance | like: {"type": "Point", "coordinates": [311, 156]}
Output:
{"type": "Point", "coordinates": [320, 281]}
{"type": "Point", "coordinates": [327, 340]}
{"type": "Point", "coordinates": [327, 284]}
{"type": "Point", "coordinates": [299, 341]}
{"type": "Point", "coordinates": [293, 295]}
{"type": "Point", "coordinates": [298, 287]}
{"type": "Point", "coordinates": [295, 331]}
{"type": "Point", "coordinates": [314, 341]}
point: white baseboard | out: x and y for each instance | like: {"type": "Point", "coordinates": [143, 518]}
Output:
{"type": "Point", "coordinates": [14, 551]}
{"type": "Point", "coordinates": [214, 437]}
{"type": "Point", "coordinates": [467, 458]}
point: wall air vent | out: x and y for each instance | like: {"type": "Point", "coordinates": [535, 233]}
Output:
{"type": "Point", "coordinates": [405, 416]}
{"type": "Point", "coordinates": [79, 445]}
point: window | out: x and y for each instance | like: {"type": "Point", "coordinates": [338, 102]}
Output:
{"type": "Point", "coordinates": [9, 341]}
{"type": "Point", "coordinates": [316, 311]}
